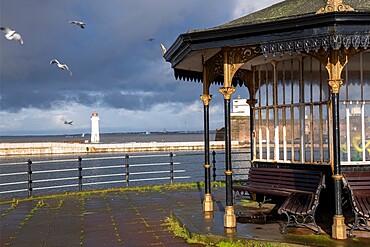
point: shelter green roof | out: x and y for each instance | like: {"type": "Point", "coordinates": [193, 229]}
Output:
{"type": "Point", "coordinates": [286, 10]}
{"type": "Point", "coordinates": [288, 26]}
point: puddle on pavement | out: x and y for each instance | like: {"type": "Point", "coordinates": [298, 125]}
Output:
{"type": "Point", "coordinates": [255, 218]}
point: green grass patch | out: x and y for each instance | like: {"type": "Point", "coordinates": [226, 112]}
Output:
{"type": "Point", "coordinates": [13, 204]}
{"type": "Point", "coordinates": [211, 240]}
{"type": "Point", "coordinates": [157, 188]}
{"type": "Point", "coordinates": [316, 240]}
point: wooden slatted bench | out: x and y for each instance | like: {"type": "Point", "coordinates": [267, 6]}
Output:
{"type": "Point", "coordinates": [300, 188]}
{"type": "Point", "coordinates": [358, 188]}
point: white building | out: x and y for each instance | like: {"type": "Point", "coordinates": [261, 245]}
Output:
{"type": "Point", "coordinates": [95, 127]}
{"type": "Point", "coordinates": [356, 111]}
{"type": "Point", "coordinates": [240, 108]}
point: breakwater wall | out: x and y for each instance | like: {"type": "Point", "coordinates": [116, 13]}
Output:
{"type": "Point", "coordinates": [37, 148]}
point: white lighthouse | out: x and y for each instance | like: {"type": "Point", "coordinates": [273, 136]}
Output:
{"type": "Point", "coordinates": [95, 127]}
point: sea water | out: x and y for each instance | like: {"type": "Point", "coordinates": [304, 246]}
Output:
{"type": "Point", "coordinates": [188, 165]}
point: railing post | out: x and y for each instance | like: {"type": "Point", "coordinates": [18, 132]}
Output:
{"type": "Point", "coordinates": [171, 167]}
{"type": "Point", "coordinates": [80, 173]}
{"type": "Point", "coordinates": [127, 170]}
{"type": "Point", "coordinates": [214, 165]}
{"type": "Point", "coordinates": [29, 163]}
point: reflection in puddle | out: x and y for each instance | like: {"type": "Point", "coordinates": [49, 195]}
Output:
{"type": "Point", "coordinates": [259, 218]}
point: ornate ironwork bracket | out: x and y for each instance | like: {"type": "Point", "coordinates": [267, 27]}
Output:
{"type": "Point", "coordinates": [334, 42]}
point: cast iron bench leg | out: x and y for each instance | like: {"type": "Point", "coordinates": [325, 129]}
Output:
{"type": "Point", "coordinates": [295, 221]}
{"type": "Point", "coordinates": [292, 203]}
{"type": "Point", "coordinates": [357, 225]}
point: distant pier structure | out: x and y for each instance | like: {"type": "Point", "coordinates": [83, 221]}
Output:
{"type": "Point", "coordinates": [95, 127]}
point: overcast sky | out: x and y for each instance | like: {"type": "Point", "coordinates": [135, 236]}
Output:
{"type": "Point", "coordinates": [115, 70]}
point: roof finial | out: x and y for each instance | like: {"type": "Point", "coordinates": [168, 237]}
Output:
{"type": "Point", "coordinates": [334, 6]}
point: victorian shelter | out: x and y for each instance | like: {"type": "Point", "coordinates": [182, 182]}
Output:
{"type": "Point", "coordinates": [306, 66]}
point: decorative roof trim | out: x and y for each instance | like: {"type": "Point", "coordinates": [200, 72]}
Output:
{"type": "Point", "coordinates": [335, 6]}
{"type": "Point", "coordinates": [314, 44]}
{"type": "Point", "coordinates": [195, 76]}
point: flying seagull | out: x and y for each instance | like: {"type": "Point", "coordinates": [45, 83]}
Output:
{"type": "Point", "coordinates": [11, 34]}
{"type": "Point", "coordinates": [61, 66]}
{"type": "Point", "coordinates": [163, 49]}
{"type": "Point", "coordinates": [78, 23]}
{"type": "Point", "coordinates": [68, 122]}
{"type": "Point", "coordinates": [149, 39]}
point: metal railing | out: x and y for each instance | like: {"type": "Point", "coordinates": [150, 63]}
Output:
{"type": "Point", "coordinates": [106, 172]}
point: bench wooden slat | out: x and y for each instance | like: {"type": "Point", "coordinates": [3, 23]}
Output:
{"type": "Point", "coordinates": [359, 174]}
{"type": "Point", "coordinates": [305, 205]}
{"type": "Point", "coordinates": [358, 187]}
{"type": "Point", "coordinates": [282, 182]}
{"type": "Point", "coordinates": [363, 188]}
{"type": "Point", "coordinates": [363, 179]}
{"type": "Point", "coordinates": [363, 204]}
{"type": "Point", "coordinates": [261, 190]}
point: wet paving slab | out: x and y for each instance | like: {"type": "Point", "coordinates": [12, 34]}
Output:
{"type": "Point", "coordinates": [91, 219]}
{"type": "Point", "coordinates": [138, 218]}
{"type": "Point", "coordinates": [261, 223]}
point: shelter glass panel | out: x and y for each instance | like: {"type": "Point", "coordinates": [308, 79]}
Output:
{"type": "Point", "coordinates": [366, 77]}
{"type": "Point", "coordinates": [293, 116]}
{"type": "Point", "coordinates": [355, 110]}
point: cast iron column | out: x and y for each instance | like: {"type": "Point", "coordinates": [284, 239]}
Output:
{"type": "Point", "coordinates": [229, 218]}
{"type": "Point", "coordinates": [228, 170]}
{"type": "Point", "coordinates": [335, 63]}
{"type": "Point", "coordinates": [336, 154]}
{"type": "Point", "coordinates": [337, 177]}
{"type": "Point", "coordinates": [207, 202]}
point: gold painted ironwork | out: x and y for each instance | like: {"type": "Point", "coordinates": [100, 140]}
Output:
{"type": "Point", "coordinates": [335, 6]}
{"type": "Point", "coordinates": [228, 172]}
{"type": "Point", "coordinates": [234, 58]}
{"type": "Point", "coordinates": [227, 63]}
{"type": "Point", "coordinates": [229, 217]}
{"type": "Point", "coordinates": [207, 203]}
{"type": "Point", "coordinates": [337, 176]}
{"type": "Point", "coordinates": [206, 98]}
{"type": "Point", "coordinates": [227, 92]}
{"type": "Point", "coordinates": [339, 227]}
{"type": "Point", "coordinates": [207, 166]}
{"type": "Point", "coordinates": [335, 61]}
{"type": "Point", "coordinates": [335, 85]}
{"type": "Point", "coordinates": [334, 66]}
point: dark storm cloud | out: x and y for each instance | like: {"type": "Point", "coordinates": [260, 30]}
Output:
{"type": "Point", "coordinates": [108, 58]}
{"type": "Point", "coordinates": [116, 71]}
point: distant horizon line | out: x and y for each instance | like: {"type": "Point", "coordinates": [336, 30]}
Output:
{"type": "Point", "coordinates": [107, 133]}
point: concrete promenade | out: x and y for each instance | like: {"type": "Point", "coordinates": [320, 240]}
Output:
{"type": "Point", "coordinates": [137, 217]}
{"type": "Point", "coordinates": [63, 148]}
